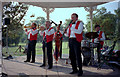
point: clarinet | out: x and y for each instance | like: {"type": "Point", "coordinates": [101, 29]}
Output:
{"type": "Point", "coordinates": [66, 29]}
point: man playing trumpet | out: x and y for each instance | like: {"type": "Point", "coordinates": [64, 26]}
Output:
{"type": "Point", "coordinates": [32, 39]}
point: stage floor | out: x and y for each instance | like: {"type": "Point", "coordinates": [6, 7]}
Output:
{"type": "Point", "coordinates": [17, 67]}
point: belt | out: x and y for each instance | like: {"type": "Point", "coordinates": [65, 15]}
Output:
{"type": "Point", "coordinates": [72, 38]}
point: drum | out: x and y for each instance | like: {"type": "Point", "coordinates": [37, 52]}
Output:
{"type": "Point", "coordinates": [86, 52]}
{"type": "Point", "coordinates": [85, 44]}
{"type": "Point", "coordinates": [93, 45]}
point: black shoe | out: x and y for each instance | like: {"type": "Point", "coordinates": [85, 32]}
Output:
{"type": "Point", "coordinates": [80, 73]}
{"type": "Point", "coordinates": [26, 61]}
{"type": "Point", "coordinates": [73, 72]}
{"type": "Point", "coordinates": [32, 62]}
{"type": "Point", "coordinates": [42, 65]}
{"type": "Point", "coordinates": [50, 67]}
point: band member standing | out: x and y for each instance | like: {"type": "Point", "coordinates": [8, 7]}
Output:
{"type": "Point", "coordinates": [58, 39]}
{"type": "Point", "coordinates": [74, 33]}
{"type": "Point", "coordinates": [32, 40]}
{"type": "Point", "coordinates": [48, 34]}
{"type": "Point", "coordinates": [100, 40]}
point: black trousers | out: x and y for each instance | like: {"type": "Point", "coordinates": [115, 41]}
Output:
{"type": "Point", "coordinates": [75, 54]}
{"type": "Point", "coordinates": [49, 53]}
{"type": "Point", "coordinates": [99, 46]}
{"type": "Point", "coordinates": [31, 49]}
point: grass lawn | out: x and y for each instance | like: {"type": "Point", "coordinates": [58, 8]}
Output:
{"type": "Point", "coordinates": [12, 50]}
{"type": "Point", "coordinates": [65, 48]}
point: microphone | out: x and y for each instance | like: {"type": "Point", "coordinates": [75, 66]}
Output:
{"type": "Point", "coordinates": [53, 22]}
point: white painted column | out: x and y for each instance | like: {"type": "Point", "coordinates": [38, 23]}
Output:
{"type": "Point", "coordinates": [48, 11]}
{"type": "Point", "coordinates": [91, 18]}
{"type": "Point", "coordinates": [0, 38]}
{"type": "Point", "coordinates": [90, 10]}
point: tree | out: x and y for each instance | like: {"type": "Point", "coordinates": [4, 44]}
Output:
{"type": "Point", "coordinates": [40, 21]}
{"type": "Point", "coordinates": [106, 20]}
{"type": "Point", "coordinates": [117, 12]}
{"type": "Point", "coordinates": [15, 11]}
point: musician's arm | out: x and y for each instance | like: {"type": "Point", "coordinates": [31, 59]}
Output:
{"type": "Point", "coordinates": [27, 32]}
{"type": "Point", "coordinates": [34, 32]}
{"type": "Point", "coordinates": [67, 32]}
{"type": "Point", "coordinates": [103, 37]}
{"type": "Point", "coordinates": [80, 29]}
{"type": "Point", "coordinates": [52, 31]}
{"type": "Point", "coordinates": [61, 32]}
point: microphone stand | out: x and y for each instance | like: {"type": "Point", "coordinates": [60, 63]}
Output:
{"type": "Point", "coordinates": [45, 42]}
{"type": "Point", "coordinates": [54, 23]}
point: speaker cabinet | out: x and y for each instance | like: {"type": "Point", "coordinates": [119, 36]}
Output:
{"type": "Point", "coordinates": [6, 21]}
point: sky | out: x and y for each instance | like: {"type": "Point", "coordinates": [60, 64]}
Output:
{"type": "Point", "coordinates": [60, 14]}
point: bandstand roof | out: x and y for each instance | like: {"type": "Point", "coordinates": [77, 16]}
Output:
{"type": "Point", "coordinates": [60, 3]}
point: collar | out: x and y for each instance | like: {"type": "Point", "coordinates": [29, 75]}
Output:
{"type": "Point", "coordinates": [75, 22]}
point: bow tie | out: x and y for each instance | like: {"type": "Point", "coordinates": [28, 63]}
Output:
{"type": "Point", "coordinates": [73, 23]}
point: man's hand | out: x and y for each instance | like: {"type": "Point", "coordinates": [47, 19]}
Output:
{"type": "Point", "coordinates": [65, 31]}
{"type": "Point", "coordinates": [31, 27]}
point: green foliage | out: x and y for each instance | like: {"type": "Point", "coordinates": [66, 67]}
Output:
{"type": "Point", "coordinates": [106, 20]}
{"type": "Point", "coordinates": [40, 21]}
{"type": "Point", "coordinates": [117, 12]}
{"type": "Point", "coordinates": [15, 11]}
{"type": "Point", "coordinates": [39, 51]}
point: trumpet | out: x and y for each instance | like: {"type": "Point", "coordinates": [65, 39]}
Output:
{"type": "Point", "coordinates": [30, 27]}
{"type": "Point", "coordinates": [41, 28]}
{"type": "Point", "coordinates": [27, 27]}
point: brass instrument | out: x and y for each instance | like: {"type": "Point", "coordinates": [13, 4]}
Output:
{"type": "Point", "coordinates": [41, 28]}
{"type": "Point", "coordinates": [27, 27]}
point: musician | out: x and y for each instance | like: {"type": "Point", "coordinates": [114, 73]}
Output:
{"type": "Point", "coordinates": [48, 35]}
{"type": "Point", "coordinates": [100, 40]}
{"type": "Point", "coordinates": [32, 40]}
{"type": "Point", "coordinates": [58, 38]}
{"type": "Point", "coordinates": [74, 33]}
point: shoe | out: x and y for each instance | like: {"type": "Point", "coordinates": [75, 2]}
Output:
{"type": "Point", "coordinates": [80, 73]}
{"type": "Point", "coordinates": [26, 61]}
{"type": "Point", "coordinates": [50, 67]}
{"type": "Point", "coordinates": [42, 65]}
{"type": "Point", "coordinates": [73, 72]}
{"type": "Point", "coordinates": [32, 62]}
